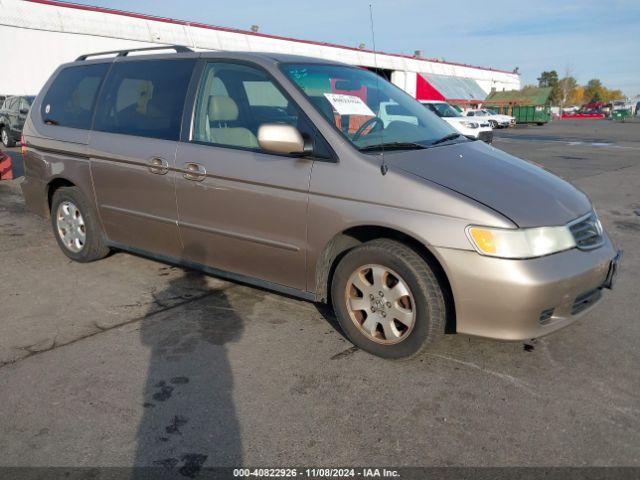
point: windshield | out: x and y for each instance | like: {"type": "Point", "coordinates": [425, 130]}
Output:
{"type": "Point", "coordinates": [443, 109]}
{"type": "Point", "coordinates": [366, 109]}
{"type": "Point", "coordinates": [490, 112]}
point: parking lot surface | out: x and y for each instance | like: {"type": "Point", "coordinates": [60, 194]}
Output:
{"type": "Point", "coordinates": [128, 361]}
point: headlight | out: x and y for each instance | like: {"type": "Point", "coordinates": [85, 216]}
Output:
{"type": "Point", "coordinates": [520, 243]}
{"type": "Point", "coordinates": [470, 124]}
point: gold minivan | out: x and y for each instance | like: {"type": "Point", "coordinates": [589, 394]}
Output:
{"type": "Point", "coordinates": [277, 171]}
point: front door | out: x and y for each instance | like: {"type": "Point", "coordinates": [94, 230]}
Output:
{"type": "Point", "coordinates": [132, 150]}
{"type": "Point", "coordinates": [241, 209]}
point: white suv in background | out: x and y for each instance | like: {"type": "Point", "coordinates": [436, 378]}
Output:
{"type": "Point", "coordinates": [477, 128]}
{"type": "Point", "coordinates": [497, 120]}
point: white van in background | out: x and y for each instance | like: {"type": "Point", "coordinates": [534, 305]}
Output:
{"type": "Point", "coordinates": [474, 128]}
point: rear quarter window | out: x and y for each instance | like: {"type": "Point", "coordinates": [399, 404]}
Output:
{"type": "Point", "coordinates": [144, 98]}
{"type": "Point", "coordinates": [70, 100]}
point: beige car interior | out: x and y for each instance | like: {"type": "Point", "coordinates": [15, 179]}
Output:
{"type": "Point", "coordinates": [221, 111]}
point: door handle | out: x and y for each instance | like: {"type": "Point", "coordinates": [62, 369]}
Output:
{"type": "Point", "coordinates": [158, 166]}
{"type": "Point", "coordinates": [195, 172]}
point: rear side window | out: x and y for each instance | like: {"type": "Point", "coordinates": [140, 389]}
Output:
{"type": "Point", "coordinates": [71, 98]}
{"type": "Point", "coordinates": [145, 98]}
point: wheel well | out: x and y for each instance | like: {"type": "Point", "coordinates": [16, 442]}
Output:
{"type": "Point", "coordinates": [54, 185]}
{"type": "Point", "coordinates": [345, 241]}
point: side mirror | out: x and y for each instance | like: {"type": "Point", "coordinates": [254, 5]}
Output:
{"type": "Point", "coordinates": [281, 138]}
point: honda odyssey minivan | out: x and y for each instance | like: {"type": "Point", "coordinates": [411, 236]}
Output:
{"type": "Point", "coordinates": [277, 171]}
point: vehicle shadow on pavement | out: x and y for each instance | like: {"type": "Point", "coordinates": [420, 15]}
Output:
{"type": "Point", "coordinates": [189, 419]}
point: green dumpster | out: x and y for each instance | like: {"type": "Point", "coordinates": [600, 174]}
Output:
{"type": "Point", "coordinates": [529, 105]}
{"type": "Point", "coordinates": [620, 114]}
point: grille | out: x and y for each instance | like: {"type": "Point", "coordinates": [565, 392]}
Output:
{"type": "Point", "coordinates": [585, 300]}
{"type": "Point", "coordinates": [587, 232]}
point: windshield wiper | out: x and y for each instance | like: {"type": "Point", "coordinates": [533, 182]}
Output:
{"type": "Point", "coordinates": [393, 146]}
{"type": "Point", "coordinates": [451, 136]}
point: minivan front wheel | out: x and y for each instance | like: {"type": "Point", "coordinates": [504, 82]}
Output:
{"type": "Point", "coordinates": [75, 226]}
{"type": "Point", "coordinates": [387, 299]}
{"type": "Point", "coordinates": [5, 134]}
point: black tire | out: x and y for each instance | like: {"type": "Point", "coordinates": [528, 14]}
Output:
{"type": "Point", "coordinates": [94, 247]}
{"type": "Point", "coordinates": [418, 275]}
{"type": "Point", "coordinates": [7, 138]}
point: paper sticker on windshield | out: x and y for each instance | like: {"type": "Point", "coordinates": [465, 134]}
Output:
{"type": "Point", "coordinates": [348, 104]}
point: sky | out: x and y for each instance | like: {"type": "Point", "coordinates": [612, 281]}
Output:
{"type": "Point", "coordinates": [586, 38]}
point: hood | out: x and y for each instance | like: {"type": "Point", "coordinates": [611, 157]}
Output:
{"type": "Point", "coordinates": [527, 195]}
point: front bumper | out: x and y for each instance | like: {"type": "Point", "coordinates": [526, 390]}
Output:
{"type": "Point", "coordinates": [484, 134]}
{"type": "Point", "coordinates": [524, 299]}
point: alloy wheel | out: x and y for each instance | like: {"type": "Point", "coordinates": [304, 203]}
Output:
{"type": "Point", "coordinates": [380, 304]}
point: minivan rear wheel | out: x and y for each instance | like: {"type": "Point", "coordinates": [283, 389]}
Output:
{"type": "Point", "coordinates": [7, 140]}
{"type": "Point", "coordinates": [388, 299]}
{"type": "Point", "coordinates": [75, 226]}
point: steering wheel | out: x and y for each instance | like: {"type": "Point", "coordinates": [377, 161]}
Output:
{"type": "Point", "coordinates": [365, 125]}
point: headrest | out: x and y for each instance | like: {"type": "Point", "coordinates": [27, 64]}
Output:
{"type": "Point", "coordinates": [222, 109]}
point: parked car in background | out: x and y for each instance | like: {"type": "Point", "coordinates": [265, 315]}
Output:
{"type": "Point", "coordinates": [510, 119]}
{"type": "Point", "coordinates": [496, 120]}
{"type": "Point", "coordinates": [476, 129]}
{"type": "Point", "coordinates": [12, 117]}
{"type": "Point", "coordinates": [406, 227]}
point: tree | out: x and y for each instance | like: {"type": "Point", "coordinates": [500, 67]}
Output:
{"type": "Point", "coordinates": [577, 96]}
{"type": "Point", "coordinates": [550, 79]}
{"type": "Point", "coordinates": [594, 91]}
{"type": "Point", "coordinates": [611, 95]}
{"type": "Point", "coordinates": [566, 87]}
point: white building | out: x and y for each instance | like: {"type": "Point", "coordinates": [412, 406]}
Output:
{"type": "Point", "coordinates": [39, 35]}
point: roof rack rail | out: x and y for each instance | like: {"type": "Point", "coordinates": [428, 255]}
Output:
{"type": "Point", "coordinates": [124, 53]}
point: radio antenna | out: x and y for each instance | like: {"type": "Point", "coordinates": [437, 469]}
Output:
{"type": "Point", "coordinates": [383, 166]}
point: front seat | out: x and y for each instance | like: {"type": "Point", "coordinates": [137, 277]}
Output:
{"type": "Point", "coordinates": [222, 111]}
